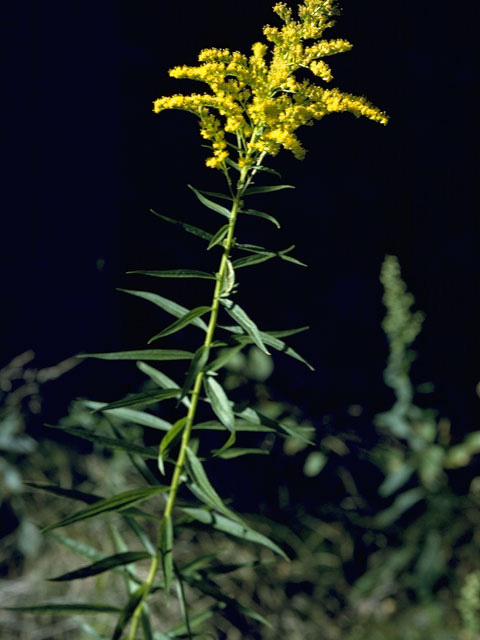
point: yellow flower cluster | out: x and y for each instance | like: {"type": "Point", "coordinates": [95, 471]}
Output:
{"type": "Point", "coordinates": [257, 99]}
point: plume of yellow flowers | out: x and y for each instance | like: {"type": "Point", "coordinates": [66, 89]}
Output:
{"type": "Point", "coordinates": [257, 99]}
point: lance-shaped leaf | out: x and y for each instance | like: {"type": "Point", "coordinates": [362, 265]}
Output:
{"type": "Point", "coordinates": [236, 452]}
{"type": "Point", "coordinates": [106, 564]}
{"type": "Point", "coordinates": [218, 237]}
{"type": "Point", "coordinates": [175, 273]}
{"type": "Point", "coordinates": [162, 380]}
{"type": "Point", "coordinates": [240, 425]}
{"type": "Point", "coordinates": [252, 415]}
{"type": "Point", "coordinates": [220, 403]}
{"type": "Point", "coordinates": [261, 167]}
{"type": "Point", "coordinates": [186, 227]}
{"type": "Point", "coordinates": [141, 354]}
{"type": "Point", "coordinates": [197, 364]}
{"type": "Point", "coordinates": [229, 443]}
{"type": "Point", "coordinates": [89, 498]}
{"type": "Point", "coordinates": [141, 399]}
{"type": "Point", "coordinates": [80, 548]}
{"type": "Point", "coordinates": [171, 307]}
{"type": "Point", "coordinates": [225, 356]}
{"type": "Point", "coordinates": [261, 214]}
{"type": "Point", "coordinates": [132, 415]}
{"type": "Point", "coordinates": [128, 610]}
{"type": "Point", "coordinates": [188, 318]}
{"type": "Point", "coordinates": [167, 440]}
{"type": "Point", "coordinates": [210, 204]}
{"type": "Point", "coordinates": [233, 528]}
{"type": "Point", "coordinates": [279, 345]}
{"type": "Point", "coordinates": [63, 608]}
{"type": "Point", "coordinates": [208, 493]}
{"type": "Point", "coordinates": [276, 187]}
{"type": "Point", "coordinates": [119, 502]}
{"type": "Point", "coordinates": [109, 443]}
{"type": "Point", "coordinates": [245, 322]}
{"type": "Point", "coordinates": [248, 261]}
{"type": "Point", "coordinates": [165, 546]}
{"type": "Point", "coordinates": [215, 194]}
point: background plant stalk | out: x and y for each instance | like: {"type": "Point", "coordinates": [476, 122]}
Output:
{"type": "Point", "coordinates": [175, 483]}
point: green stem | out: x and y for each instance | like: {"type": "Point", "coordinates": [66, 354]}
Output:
{"type": "Point", "coordinates": [175, 483]}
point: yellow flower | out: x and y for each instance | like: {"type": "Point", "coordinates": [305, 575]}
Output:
{"type": "Point", "coordinates": [257, 101]}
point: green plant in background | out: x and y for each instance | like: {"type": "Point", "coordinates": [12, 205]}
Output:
{"type": "Point", "coordinates": [254, 107]}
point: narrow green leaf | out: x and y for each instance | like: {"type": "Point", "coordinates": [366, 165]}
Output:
{"type": "Point", "coordinates": [128, 611]}
{"type": "Point", "coordinates": [210, 204]}
{"type": "Point", "coordinates": [142, 354]}
{"type": "Point", "coordinates": [116, 503]}
{"type": "Point", "coordinates": [197, 364]}
{"type": "Point", "coordinates": [218, 237]}
{"type": "Point", "coordinates": [187, 227]}
{"type": "Point", "coordinates": [89, 498]}
{"type": "Point", "coordinates": [233, 528]}
{"type": "Point", "coordinates": [229, 443]}
{"type": "Point", "coordinates": [166, 440]}
{"type": "Point", "coordinates": [214, 194]}
{"type": "Point", "coordinates": [66, 608]}
{"type": "Point", "coordinates": [86, 628]}
{"type": "Point", "coordinates": [141, 534]}
{"type": "Point", "coordinates": [261, 167]}
{"type": "Point", "coordinates": [240, 425]}
{"type": "Point", "coordinates": [236, 452]}
{"type": "Point", "coordinates": [173, 308]}
{"type": "Point", "coordinates": [248, 261]}
{"type": "Point", "coordinates": [165, 545]}
{"type": "Point", "coordinates": [199, 477]}
{"type": "Point", "coordinates": [276, 425]}
{"type": "Point", "coordinates": [224, 357]}
{"type": "Point", "coordinates": [284, 256]}
{"type": "Point", "coordinates": [175, 273]}
{"type": "Point", "coordinates": [261, 214]}
{"type": "Point", "coordinates": [80, 548]}
{"type": "Point", "coordinates": [276, 187]}
{"type": "Point", "coordinates": [233, 164]}
{"type": "Point", "coordinates": [182, 322]}
{"type": "Point", "coordinates": [141, 399]}
{"type": "Point", "coordinates": [132, 415]}
{"type": "Point", "coordinates": [162, 380]}
{"type": "Point", "coordinates": [106, 564]}
{"type": "Point", "coordinates": [239, 315]}
{"type": "Point", "coordinates": [220, 402]}
{"type": "Point", "coordinates": [286, 332]}
{"type": "Point", "coordinates": [253, 248]}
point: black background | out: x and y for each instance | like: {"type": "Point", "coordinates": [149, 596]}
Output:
{"type": "Point", "coordinates": [85, 158]}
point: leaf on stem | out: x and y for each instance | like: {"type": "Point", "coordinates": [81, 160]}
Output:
{"type": "Point", "coordinates": [233, 528]}
{"type": "Point", "coordinates": [185, 320]}
{"type": "Point", "coordinates": [208, 493]}
{"type": "Point", "coordinates": [268, 189]}
{"type": "Point", "coordinates": [141, 399]}
{"type": "Point", "coordinates": [162, 380]}
{"type": "Point", "coordinates": [187, 227]}
{"type": "Point", "coordinates": [245, 322]}
{"type": "Point", "coordinates": [175, 273]}
{"type": "Point", "coordinates": [129, 609]}
{"type": "Point", "coordinates": [141, 354]}
{"type": "Point", "coordinates": [225, 356]}
{"type": "Point", "coordinates": [197, 364]}
{"type": "Point", "coordinates": [210, 204]}
{"type": "Point", "coordinates": [218, 237]}
{"type": "Point", "coordinates": [132, 415]}
{"type": "Point", "coordinates": [116, 503]}
{"type": "Point", "coordinates": [261, 214]}
{"type": "Point", "coordinates": [106, 564]}
{"type": "Point", "coordinates": [167, 305]}
{"type": "Point", "coordinates": [215, 194]}
{"type": "Point", "coordinates": [165, 546]}
{"type": "Point", "coordinates": [221, 405]}
{"type": "Point", "coordinates": [167, 440]}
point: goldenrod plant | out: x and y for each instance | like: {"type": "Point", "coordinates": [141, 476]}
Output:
{"type": "Point", "coordinates": [253, 107]}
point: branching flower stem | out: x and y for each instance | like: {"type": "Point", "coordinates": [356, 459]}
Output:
{"type": "Point", "coordinates": [246, 176]}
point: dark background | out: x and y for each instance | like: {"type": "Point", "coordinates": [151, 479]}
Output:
{"type": "Point", "coordinates": [85, 158]}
